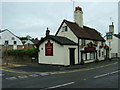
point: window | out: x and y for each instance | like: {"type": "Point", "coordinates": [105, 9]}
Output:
{"type": "Point", "coordinates": [109, 43]}
{"type": "Point", "coordinates": [6, 42]}
{"type": "Point", "coordinates": [83, 41]}
{"type": "Point", "coordinates": [99, 53]}
{"type": "Point", "coordinates": [15, 42]}
{"type": "Point", "coordinates": [96, 42]}
{"type": "Point", "coordinates": [102, 54]}
{"type": "Point", "coordinates": [28, 44]}
{"type": "Point", "coordinates": [91, 56]}
{"type": "Point", "coordinates": [102, 43]}
{"type": "Point", "coordinates": [64, 28]}
{"type": "Point", "coordinates": [13, 38]}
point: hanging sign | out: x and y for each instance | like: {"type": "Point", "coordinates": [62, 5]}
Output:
{"type": "Point", "coordinates": [89, 48]}
{"type": "Point", "coordinates": [49, 49]}
{"type": "Point", "coordinates": [109, 35]}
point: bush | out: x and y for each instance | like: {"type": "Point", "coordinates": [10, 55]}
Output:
{"type": "Point", "coordinates": [23, 52]}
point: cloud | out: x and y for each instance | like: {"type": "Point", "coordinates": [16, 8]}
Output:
{"type": "Point", "coordinates": [33, 18]}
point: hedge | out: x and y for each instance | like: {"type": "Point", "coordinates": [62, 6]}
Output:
{"type": "Point", "coordinates": [23, 52]}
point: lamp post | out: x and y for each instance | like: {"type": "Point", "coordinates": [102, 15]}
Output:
{"type": "Point", "coordinates": [6, 45]}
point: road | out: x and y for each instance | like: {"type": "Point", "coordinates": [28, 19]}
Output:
{"type": "Point", "coordinates": [102, 76]}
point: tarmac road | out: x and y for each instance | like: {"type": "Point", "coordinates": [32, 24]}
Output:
{"type": "Point", "coordinates": [102, 75]}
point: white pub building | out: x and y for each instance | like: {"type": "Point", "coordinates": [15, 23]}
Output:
{"type": "Point", "coordinates": [72, 44]}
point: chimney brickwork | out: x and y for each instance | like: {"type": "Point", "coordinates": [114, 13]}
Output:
{"type": "Point", "coordinates": [78, 16]}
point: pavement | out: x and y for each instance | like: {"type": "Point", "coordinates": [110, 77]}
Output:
{"type": "Point", "coordinates": [18, 67]}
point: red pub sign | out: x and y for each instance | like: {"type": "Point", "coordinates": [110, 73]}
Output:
{"type": "Point", "coordinates": [49, 49]}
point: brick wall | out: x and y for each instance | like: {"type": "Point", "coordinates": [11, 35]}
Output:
{"type": "Point", "coordinates": [29, 47]}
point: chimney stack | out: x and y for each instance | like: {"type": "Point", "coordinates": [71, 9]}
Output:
{"type": "Point", "coordinates": [111, 28]}
{"type": "Point", "coordinates": [47, 32]}
{"type": "Point", "coordinates": [78, 16]}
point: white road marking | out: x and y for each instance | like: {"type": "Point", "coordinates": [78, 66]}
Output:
{"type": "Point", "coordinates": [22, 77]}
{"type": "Point", "coordinates": [59, 85]}
{"type": "Point", "coordinates": [11, 78]}
{"type": "Point", "coordinates": [106, 74]}
{"type": "Point", "coordinates": [53, 73]}
{"type": "Point", "coordinates": [2, 75]}
{"type": "Point", "coordinates": [34, 75]}
{"type": "Point", "coordinates": [43, 74]}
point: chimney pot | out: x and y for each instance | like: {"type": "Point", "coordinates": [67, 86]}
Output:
{"type": "Point", "coordinates": [78, 8]}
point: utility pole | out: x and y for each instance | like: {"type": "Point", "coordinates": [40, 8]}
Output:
{"type": "Point", "coordinates": [73, 4]}
{"type": "Point", "coordinates": [6, 45]}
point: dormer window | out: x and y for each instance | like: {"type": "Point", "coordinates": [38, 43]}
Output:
{"type": "Point", "coordinates": [64, 28]}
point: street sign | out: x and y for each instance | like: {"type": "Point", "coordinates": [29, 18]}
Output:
{"type": "Point", "coordinates": [109, 35]}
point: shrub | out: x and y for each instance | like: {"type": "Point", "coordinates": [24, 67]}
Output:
{"type": "Point", "coordinates": [23, 52]}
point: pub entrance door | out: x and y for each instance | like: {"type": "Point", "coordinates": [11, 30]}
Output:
{"type": "Point", "coordinates": [72, 56]}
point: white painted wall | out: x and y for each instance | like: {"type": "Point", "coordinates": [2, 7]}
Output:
{"type": "Point", "coordinates": [60, 54]}
{"type": "Point", "coordinates": [67, 56]}
{"type": "Point", "coordinates": [69, 34]}
{"type": "Point", "coordinates": [57, 57]}
{"type": "Point", "coordinates": [6, 35]}
{"type": "Point", "coordinates": [114, 45]}
{"type": "Point", "coordinates": [118, 47]}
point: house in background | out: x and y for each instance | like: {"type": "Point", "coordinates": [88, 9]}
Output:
{"type": "Point", "coordinates": [9, 40]}
{"type": "Point", "coordinates": [28, 42]}
{"type": "Point", "coordinates": [72, 44]}
{"type": "Point", "coordinates": [112, 40]}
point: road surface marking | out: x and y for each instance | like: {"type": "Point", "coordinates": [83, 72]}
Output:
{"type": "Point", "coordinates": [43, 74]}
{"type": "Point", "coordinates": [106, 74]}
{"type": "Point", "coordinates": [2, 75]}
{"type": "Point", "coordinates": [22, 77]}
{"type": "Point", "coordinates": [53, 73]}
{"type": "Point", "coordinates": [59, 85]}
{"type": "Point", "coordinates": [34, 75]}
{"type": "Point", "coordinates": [11, 78]}
{"type": "Point", "coordinates": [84, 79]}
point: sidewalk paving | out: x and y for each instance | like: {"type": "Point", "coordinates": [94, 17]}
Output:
{"type": "Point", "coordinates": [53, 68]}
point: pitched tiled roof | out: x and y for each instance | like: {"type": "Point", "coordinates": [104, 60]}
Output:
{"type": "Point", "coordinates": [58, 39]}
{"type": "Point", "coordinates": [83, 33]}
{"type": "Point", "coordinates": [35, 41]}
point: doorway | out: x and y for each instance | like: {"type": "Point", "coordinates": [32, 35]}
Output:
{"type": "Point", "coordinates": [72, 56]}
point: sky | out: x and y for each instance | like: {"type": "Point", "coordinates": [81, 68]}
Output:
{"type": "Point", "coordinates": [33, 18]}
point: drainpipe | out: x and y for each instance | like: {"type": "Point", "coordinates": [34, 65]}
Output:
{"type": "Point", "coordinates": [78, 51]}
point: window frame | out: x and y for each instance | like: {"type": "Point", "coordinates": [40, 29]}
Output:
{"type": "Point", "coordinates": [64, 29]}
